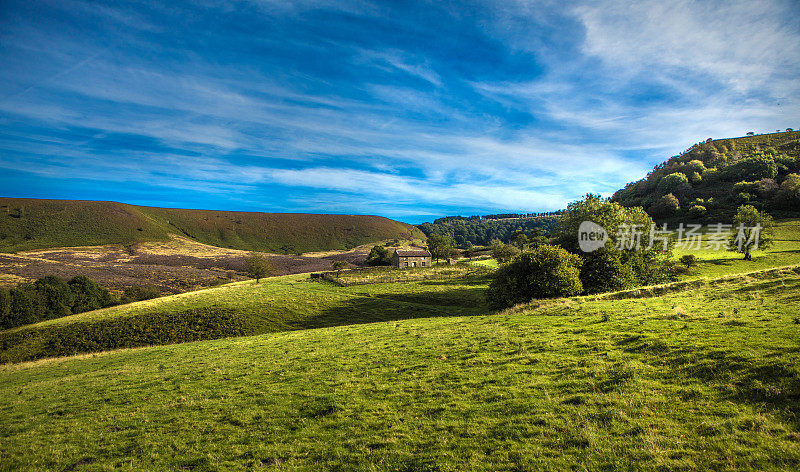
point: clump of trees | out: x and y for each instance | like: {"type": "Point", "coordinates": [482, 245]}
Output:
{"type": "Point", "coordinates": [51, 297]}
{"type": "Point", "coordinates": [563, 269]}
{"type": "Point", "coordinates": [441, 247]}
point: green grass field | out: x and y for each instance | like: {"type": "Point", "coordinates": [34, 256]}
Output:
{"type": "Point", "coordinates": [245, 308]}
{"type": "Point", "coordinates": [705, 379]}
{"type": "Point", "coordinates": [785, 251]}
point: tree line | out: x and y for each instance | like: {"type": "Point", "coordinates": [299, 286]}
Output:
{"type": "Point", "coordinates": [51, 297]}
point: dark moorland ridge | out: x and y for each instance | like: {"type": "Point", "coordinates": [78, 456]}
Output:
{"type": "Point", "coordinates": [36, 224]}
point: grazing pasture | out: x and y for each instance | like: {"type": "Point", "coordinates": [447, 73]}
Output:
{"type": "Point", "coordinates": [702, 379]}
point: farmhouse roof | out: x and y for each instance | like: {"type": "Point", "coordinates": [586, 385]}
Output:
{"type": "Point", "coordinates": [413, 253]}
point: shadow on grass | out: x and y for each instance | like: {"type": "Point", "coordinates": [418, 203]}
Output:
{"type": "Point", "coordinates": [393, 307]}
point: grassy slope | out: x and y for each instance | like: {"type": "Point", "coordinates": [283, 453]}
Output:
{"type": "Point", "coordinates": [276, 304]}
{"type": "Point", "coordinates": [706, 379]}
{"type": "Point", "coordinates": [59, 223]}
{"type": "Point", "coordinates": [785, 251]}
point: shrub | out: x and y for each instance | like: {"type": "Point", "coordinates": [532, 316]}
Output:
{"type": "Point", "coordinates": [546, 272]}
{"type": "Point", "coordinates": [137, 293]}
{"type": "Point", "coordinates": [689, 260]}
{"type": "Point", "coordinates": [604, 270]}
{"type": "Point", "coordinates": [379, 256]}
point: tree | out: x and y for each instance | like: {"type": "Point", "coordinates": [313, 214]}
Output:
{"type": "Point", "coordinates": [258, 267]}
{"type": "Point", "coordinates": [665, 206]}
{"type": "Point", "coordinates": [689, 260]}
{"type": "Point", "coordinates": [649, 264]}
{"type": "Point", "coordinates": [440, 246]}
{"type": "Point", "coordinates": [503, 253]}
{"type": "Point", "coordinates": [22, 307]}
{"type": "Point", "coordinates": [379, 256]}
{"type": "Point", "coordinates": [605, 270]}
{"type": "Point", "coordinates": [751, 230]}
{"type": "Point", "coordinates": [676, 183]}
{"type": "Point", "coordinates": [338, 266]}
{"type": "Point", "coordinates": [697, 211]}
{"type": "Point", "coordinates": [519, 239]}
{"type": "Point", "coordinates": [545, 272]}
{"type": "Point", "coordinates": [605, 213]}
{"type": "Point", "coordinates": [56, 297]}
{"type": "Point", "coordinates": [788, 196]}
{"type": "Point", "coordinates": [88, 295]}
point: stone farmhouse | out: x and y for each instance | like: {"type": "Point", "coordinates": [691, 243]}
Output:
{"type": "Point", "coordinates": [411, 258]}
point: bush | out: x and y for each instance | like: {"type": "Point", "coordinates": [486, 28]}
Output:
{"type": "Point", "coordinates": [546, 272]}
{"type": "Point", "coordinates": [379, 256]}
{"type": "Point", "coordinates": [141, 330]}
{"type": "Point", "coordinates": [604, 270]}
{"type": "Point", "coordinates": [140, 292]}
{"type": "Point", "coordinates": [689, 260]}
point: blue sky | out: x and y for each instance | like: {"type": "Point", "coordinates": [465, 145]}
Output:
{"type": "Point", "coordinates": [410, 110]}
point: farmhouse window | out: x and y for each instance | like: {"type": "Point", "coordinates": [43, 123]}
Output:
{"type": "Point", "coordinates": [423, 263]}
{"type": "Point", "coordinates": [406, 264]}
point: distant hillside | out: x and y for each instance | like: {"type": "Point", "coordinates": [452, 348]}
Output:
{"type": "Point", "coordinates": [711, 179]}
{"type": "Point", "coordinates": [35, 224]}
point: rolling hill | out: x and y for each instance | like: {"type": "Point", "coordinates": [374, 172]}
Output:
{"type": "Point", "coordinates": [37, 224]}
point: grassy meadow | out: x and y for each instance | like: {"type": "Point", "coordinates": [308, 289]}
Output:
{"type": "Point", "coordinates": [245, 308]}
{"type": "Point", "coordinates": [703, 379]}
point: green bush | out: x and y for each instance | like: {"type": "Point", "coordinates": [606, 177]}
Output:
{"type": "Point", "coordinates": [605, 270]}
{"type": "Point", "coordinates": [379, 256]}
{"type": "Point", "coordinates": [546, 272]}
{"type": "Point", "coordinates": [138, 293]}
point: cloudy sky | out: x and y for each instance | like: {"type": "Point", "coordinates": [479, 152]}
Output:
{"type": "Point", "coordinates": [411, 110]}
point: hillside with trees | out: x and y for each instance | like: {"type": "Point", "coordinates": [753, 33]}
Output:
{"type": "Point", "coordinates": [710, 180]}
{"type": "Point", "coordinates": [466, 232]}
